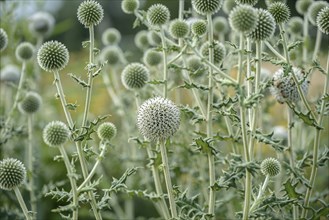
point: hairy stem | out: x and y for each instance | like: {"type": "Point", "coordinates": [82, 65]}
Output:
{"type": "Point", "coordinates": [260, 193]}
{"type": "Point", "coordinates": [269, 46]}
{"type": "Point", "coordinates": [305, 38]}
{"type": "Point", "coordinates": [22, 203]}
{"type": "Point", "coordinates": [317, 44]}
{"type": "Point", "coordinates": [165, 67]}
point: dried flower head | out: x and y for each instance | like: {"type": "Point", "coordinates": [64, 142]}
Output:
{"type": "Point", "coordinates": [106, 131]}
{"type": "Point", "coordinates": [135, 76]}
{"type": "Point", "coordinates": [56, 133]}
{"type": "Point", "coordinates": [53, 56]}
{"type": "Point", "coordinates": [90, 13]}
{"type": "Point", "coordinates": [24, 51]}
{"type": "Point", "coordinates": [12, 173]}
{"type": "Point", "coordinates": [270, 166]}
{"type": "Point", "coordinates": [158, 14]}
{"type": "Point", "coordinates": [205, 7]}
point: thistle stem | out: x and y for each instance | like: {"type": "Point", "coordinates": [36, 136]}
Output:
{"type": "Point", "coordinates": [317, 44]}
{"type": "Point", "coordinates": [260, 193]}
{"type": "Point", "coordinates": [165, 67]}
{"type": "Point", "coordinates": [306, 38]}
{"type": "Point", "coordinates": [269, 46]}
{"type": "Point", "coordinates": [22, 203]}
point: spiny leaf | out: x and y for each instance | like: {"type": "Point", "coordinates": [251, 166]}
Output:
{"type": "Point", "coordinates": [306, 118]}
{"type": "Point", "coordinates": [290, 190]}
{"type": "Point", "coordinates": [192, 85]}
{"type": "Point", "coordinates": [294, 44]}
{"type": "Point", "coordinates": [144, 194]}
{"type": "Point", "coordinates": [252, 100]}
{"type": "Point", "coordinates": [85, 43]}
{"type": "Point", "coordinates": [156, 82]}
{"type": "Point", "coordinates": [119, 184]}
{"type": "Point", "coordinates": [192, 114]}
{"type": "Point", "coordinates": [204, 145]}
{"type": "Point", "coordinates": [78, 80]}
{"type": "Point", "coordinates": [268, 139]}
{"type": "Point", "coordinates": [88, 130]}
{"type": "Point", "coordinates": [72, 106]}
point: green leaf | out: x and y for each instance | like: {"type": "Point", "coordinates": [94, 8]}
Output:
{"type": "Point", "coordinates": [290, 190]}
{"type": "Point", "coordinates": [85, 43]}
{"type": "Point", "coordinates": [90, 129]}
{"type": "Point", "coordinates": [156, 82]}
{"type": "Point", "coordinates": [78, 80]}
{"type": "Point", "coordinates": [294, 45]}
{"type": "Point", "coordinates": [192, 114]}
{"type": "Point", "coordinates": [192, 85]}
{"type": "Point", "coordinates": [268, 139]}
{"type": "Point", "coordinates": [72, 106]}
{"type": "Point", "coordinates": [204, 145]}
{"type": "Point", "coordinates": [306, 118]}
{"type": "Point", "coordinates": [120, 184]}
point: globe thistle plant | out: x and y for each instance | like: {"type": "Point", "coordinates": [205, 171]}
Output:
{"type": "Point", "coordinates": [112, 55]}
{"type": "Point", "coordinates": [56, 133]}
{"type": "Point", "coordinates": [41, 24]}
{"type": "Point", "coordinates": [314, 10]}
{"type": "Point", "coordinates": [323, 20]}
{"type": "Point", "coordinates": [31, 103]}
{"type": "Point", "coordinates": [269, 2]}
{"type": "Point", "coordinates": [199, 27]}
{"type": "Point", "coordinates": [295, 26]}
{"type": "Point", "coordinates": [228, 6]}
{"type": "Point", "coordinates": [135, 76]}
{"type": "Point", "coordinates": [265, 26]}
{"type": "Point", "coordinates": [220, 25]}
{"type": "Point", "coordinates": [179, 28]}
{"type": "Point", "coordinates": [219, 51]}
{"type": "Point", "coordinates": [53, 56]}
{"type": "Point", "coordinates": [141, 40]}
{"type": "Point", "coordinates": [129, 6]}
{"type": "Point", "coordinates": [152, 57]}
{"type": "Point", "coordinates": [90, 13]}
{"type": "Point", "coordinates": [270, 166]}
{"type": "Point", "coordinates": [111, 36]}
{"type": "Point", "coordinates": [302, 6]}
{"type": "Point", "coordinates": [246, 2]}
{"type": "Point", "coordinates": [10, 73]}
{"type": "Point", "coordinates": [12, 173]}
{"type": "Point", "coordinates": [3, 39]}
{"type": "Point", "coordinates": [195, 65]}
{"type": "Point", "coordinates": [158, 14]}
{"type": "Point", "coordinates": [243, 18]}
{"type": "Point", "coordinates": [106, 131]}
{"type": "Point", "coordinates": [24, 51]}
{"type": "Point", "coordinates": [205, 7]}
{"type": "Point", "coordinates": [280, 12]}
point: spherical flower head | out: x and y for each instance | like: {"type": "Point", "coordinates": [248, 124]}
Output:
{"type": "Point", "coordinates": [12, 173]}
{"type": "Point", "coordinates": [141, 40]}
{"type": "Point", "coordinates": [179, 28]}
{"type": "Point", "coordinates": [314, 10]}
{"type": "Point", "coordinates": [280, 12]}
{"type": "Point", "coordinates": [3, 39]}
{"type": "Point", "coordinates": [284, 88]}
{"type": "Point", "coordinates": [158, 15]}
{"type": "Point", "coordinates": [106, 131]}
{"type": "Point", "coordinates": [56, 133]}
{"type": "Point", "coordinates": [265, 26]}
{"type": "Point", "coordinates": [269, 2]}
{"type": "Point", "coordinates": [302, 6]}
{"type": "Point", "coordinates": [158, 119]}
{"type": "Point", "coordinates": [112, 55]}
{"type": "Point", "coordinates": [53, 56]}
{"type": "Point", "coordinates": [295, 25]}
{"type": "Point", "coordinates": [129, 6]}
{"type": "Point", "coordinates": [31, 103]}
{"type": "Point", "coordinates": [10, 73]}
{"type": "Point", "coordinates": [41, 24]}
{"type": "Point", "coordinates": [24, 51]}
{"type": "Point", "coordinates": [195, 65]}
{"type": "Point", "coordinates": [199, 27]}
{"type": "Point", "coordinates": [90, 13]}
{"type": "Point", "coordinates": [135, 76]}
{"type": "Point", "coordinates": [243, 18]}
{"type": "Point", "coordinates": [219, 51]}
{"type": "Point", "coordinates": [228, 6]}
{"type": "Point", "coordinates": [220, 25]}
{"type": "Point", "coordinates": [205, 7]}
{"type": "Point", "coordinates": [246, 2]}
{"type": "Point", "coordinates": [270, 166]}
{"type": "Point", "coordinates": [111, 36]}
{"type": "Point", "coordinates": [153, 38]}
{"type": "Point", "coordinates": [152, 57]}
{"type": "Point", "coordinates": [323, 20]}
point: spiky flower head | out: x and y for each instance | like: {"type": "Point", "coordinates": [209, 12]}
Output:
{"type": "Point", "coordinates": [152, 57]}
{"type": "Point", "coordinates": [284, 88]}
{"type": "Point", "coordinates": [270, 166]}
{"type": "Point", "coordinates": [314, 10]}
{"type": "Point", "coordinates": [158, 119]}
{"type": "Point", "coordinates": [53, 56]}
{"type": "Point", "coordinates": [295, 25]}
{"type": "Point", "coordinates": [106, 131]}
{"type": "Point", "coordinates": [220, 25]}
{"type": "Point", "coordinates": [280, 12]}
{"type": "Point", "coordinates": [195, 65]}
{"type": "Point", "coordinates": [323, 20]}
{"type": "Point", "coordinates": [158, 14]}
{"type": "Point", "coordinates": [41, 23]}
{"type": "Point", "coordinates": [129, 6]}
{"type": "Point", "coordinates": [135, 76]}
{"type": "Point", "coordinates": [205, 7]}
{"type": "Point", "coordinates": [179, 28]}
{"type": "Point", "coordinates": [219, 51]}
{"type": "Point", "coordinates": [199, 27]}
{"type": "Point", "coordinates": [153, 38]}
{"type": "Point", "coordinates": [246, 2]}
{"type": "Point", "coordinates": [90, 13]}
{"type": "Point", "coordinates": [111, 36]}
{"type": "Point", "coordinates": [10, 73]}
{"type": "Point", "coordinates": [265, 26]}
{"type": "Point", "coordinates": [269, 2]}
{"type": "Point", "coordinates": [12, 173]}
{"type": "Point", "coordinates": [24, 51]}
{"type": "Point", "coordinates": [56, 133]}
{"type": "Point", "coordinates": [31, 103]}
{"type": "Point", "coordinates": [302, 6]}
{"type": "Point", "coordinates": [3, 39]}
{"type": "Point", "coordinates": [141, 40]}
{"type": "Point", "coordinates": [228, 6]}
{"type": "Point", "coordinates": [243, 18]}
{"type": "Point", "coordinates": [112, 55]}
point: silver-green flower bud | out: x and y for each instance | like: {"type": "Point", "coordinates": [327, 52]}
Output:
{"type": "Point", "coordinates": [56, 133]}
{"type": "Point", "coordinates": [135, 76]}
{"type": "Point", "coordinates": [106, 131]}
{"type": "Point", "coordinates": [90, 13]}
{"type": "Point", "coordinates": [270, 166]}
{"type": "Point", "coordinates": [53, 56]}
{"type": "Point", "coordinates": [12, 173]}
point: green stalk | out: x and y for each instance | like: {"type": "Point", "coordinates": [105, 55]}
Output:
{"type": "Point", "coordinates": [22, 203]}
{"type": "Point", "coordinates": [306, 38]}
{"type": "Point", "coordinates": [317, 44]}
{"type": "Point", "coordinates": [269, 46]}
{"type": "Point", "coordinates": [165, 69]}
{"type": "Point", "coordinates": [260, 193]}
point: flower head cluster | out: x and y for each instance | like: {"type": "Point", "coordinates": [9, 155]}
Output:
{"type": "Point", "coordinates": [142, 40]}
{"type": "Point", "coordinates": [90, 13]}
{"type": "Point", "coordinates": [112, 55]}
{"type": "Point", "coordinates": [246, 2]}
{"type": "Point", "coordinates": [53, 56]}
{"type": "Point", "coordinates": [152, 57]}
{"type": "Point", "coordinates": [295, 25]}
{"type": "Point", "coordinates": [302, 6]}
{"type": "Point", "coordinates": [12, 173]}
{"type": "Point", "coordinates": [270, 166]}
{"type": "Point", "coordinates": [56, 133]}
{"type": "Point", "coordinates": [220, 25]}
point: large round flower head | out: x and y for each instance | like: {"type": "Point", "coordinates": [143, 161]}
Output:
{"type": "Point", "coordinates": [220, 25]}
{"type": "Point", "coordinates": [106, 131]}
{"type": "Point", "coordinates": [111, 54]}
{"type": "Point", "coordinates": [302, 6]}
{"type": "Point", "coordinates": [269, 2]}
{"type": "Point", "coordinates": [295, 25]}
{"type": "Point", "coordinates": [265, 26]}
{"type": "Point", "coordinates": [135, 76]}
{"type": "Point", "coordinates": [90, 13]}
{"type": "Point", "coordinates": [280, 12]}
{"type": "Point", "coordinates": [228, 5]}
{"type": "Point", "coordinates": [3, 39]}
{"type": "Point", "coordinates": [12, 173]}
{"type": "Point", "coordinates": [53, 56]}
{"type": "Point", "coordinates": [219, 51]}
{"type": "Point", "coordinates": [205, 7]}
{"type": "Point", "coordinates": [24, 51]}
{"type": "Point", "coordinates": [31, 103]}
{"type": "Point", "coordinates": [129, 6]}
{"type": "Point", "coordinates": [284, 88]}
{"type": "Point", "coordinates": [246, 2]}
{"type": "Point", "coordinates": [56, 133]}
{"type": "Point", "coordinates": [314, 10]}
{"type": "Point", "coordinates": [323, 20]}
{"type": "Point", "coordinates": [199, 27]}
{"type": "Point", "coordinates": [152, 57]}
{"type": "Point", "coordinates": [10, 73]}
{"type": "Point", "coordinates": [111, 36]}
{"type": "Point", "coordinates": [158, 14]}
{"type": "Point", "coordinates": [42, 23]}
{"type": "Point", "coordinates": [270, 166]}
{"type": "Point", "coordinates": [153, 38]}
{"type": "Point", "coordinates": [243, 18]}
{"type": "Point", "coordinates": [195, 65]}
{"type": "Point", "coordinates": [141, 40]}
{"type": "Point", "coordinates": [158, 119]}
{"type": "Point", "coordinates": [179, 28]}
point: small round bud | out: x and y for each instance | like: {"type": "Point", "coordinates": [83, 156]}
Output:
{"type": "Point", "coordinates": [24, 51]}
{"type": "Point", "coordinates": [265, 26]}
{"type": "Point", "coordinates": [106, 131]}
{"type": "Point", "coordinates": [246, 2]}
{"type": "Point", "coordinates": [12, 173]}
{"type": "Point", "coordinates": [158, 14]}
{"type": "Point", "coordinates": [323, 20]}
{"type": "Point", "coordinates": [228, 6]}
{"type": "Point", "coordinates": [199, 27]}
{"type": "Point", "coordinates": [111, 54]}
{"type": "Point", "coordinates": [270, 166]}
{"type": "Point", "coordinates": [220, 25]}
{"type": "Point", "coordinates": [153, 38]}
{"type": "Point", "coordinates": [280, 12]}
{"type": "Point", "coordinates": [179, 29]}
{"type": "Point", "coordinates": [302, 6]}
{"type": "Point", "coordinates": [219, 51]}
{"type": "Point", "coordinates": [111, 36]}
{"type": "Point", "coordinates": [295, 25]}
{"type": "Point", "coordinates": [205, 7]}
{"type": "Point", "coordinates": [141, 40]}
{"type": "Point", "coordinates": [41, 24]}
{"type": "Point", "coordinates": [129, 6]}
{"type": "Point", "coordinates": [152, 57]}
{"type": "Point", "coordinates": [3, 39]}
{"type": "Point", "coordinates": [90, 13]}
{"type": "Point", "coordinates": [135, 76]}
{"type": "Point", "coordinates": [314, 10]}
{"type": "Point", "coordinates": [53, 56]}
{"type": "Point", "coordinates": [158, 119]}
{"type": "Point", "coordinates": [10, 73]}
{"type": "Point", "coordinates": [31, 103]}
{"type": "Point", "coordinates": [243, 18]}
{"type": "Point", "coordinates": [56, 133]}
{"type": "Point", "coordinates": [269, 2]}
